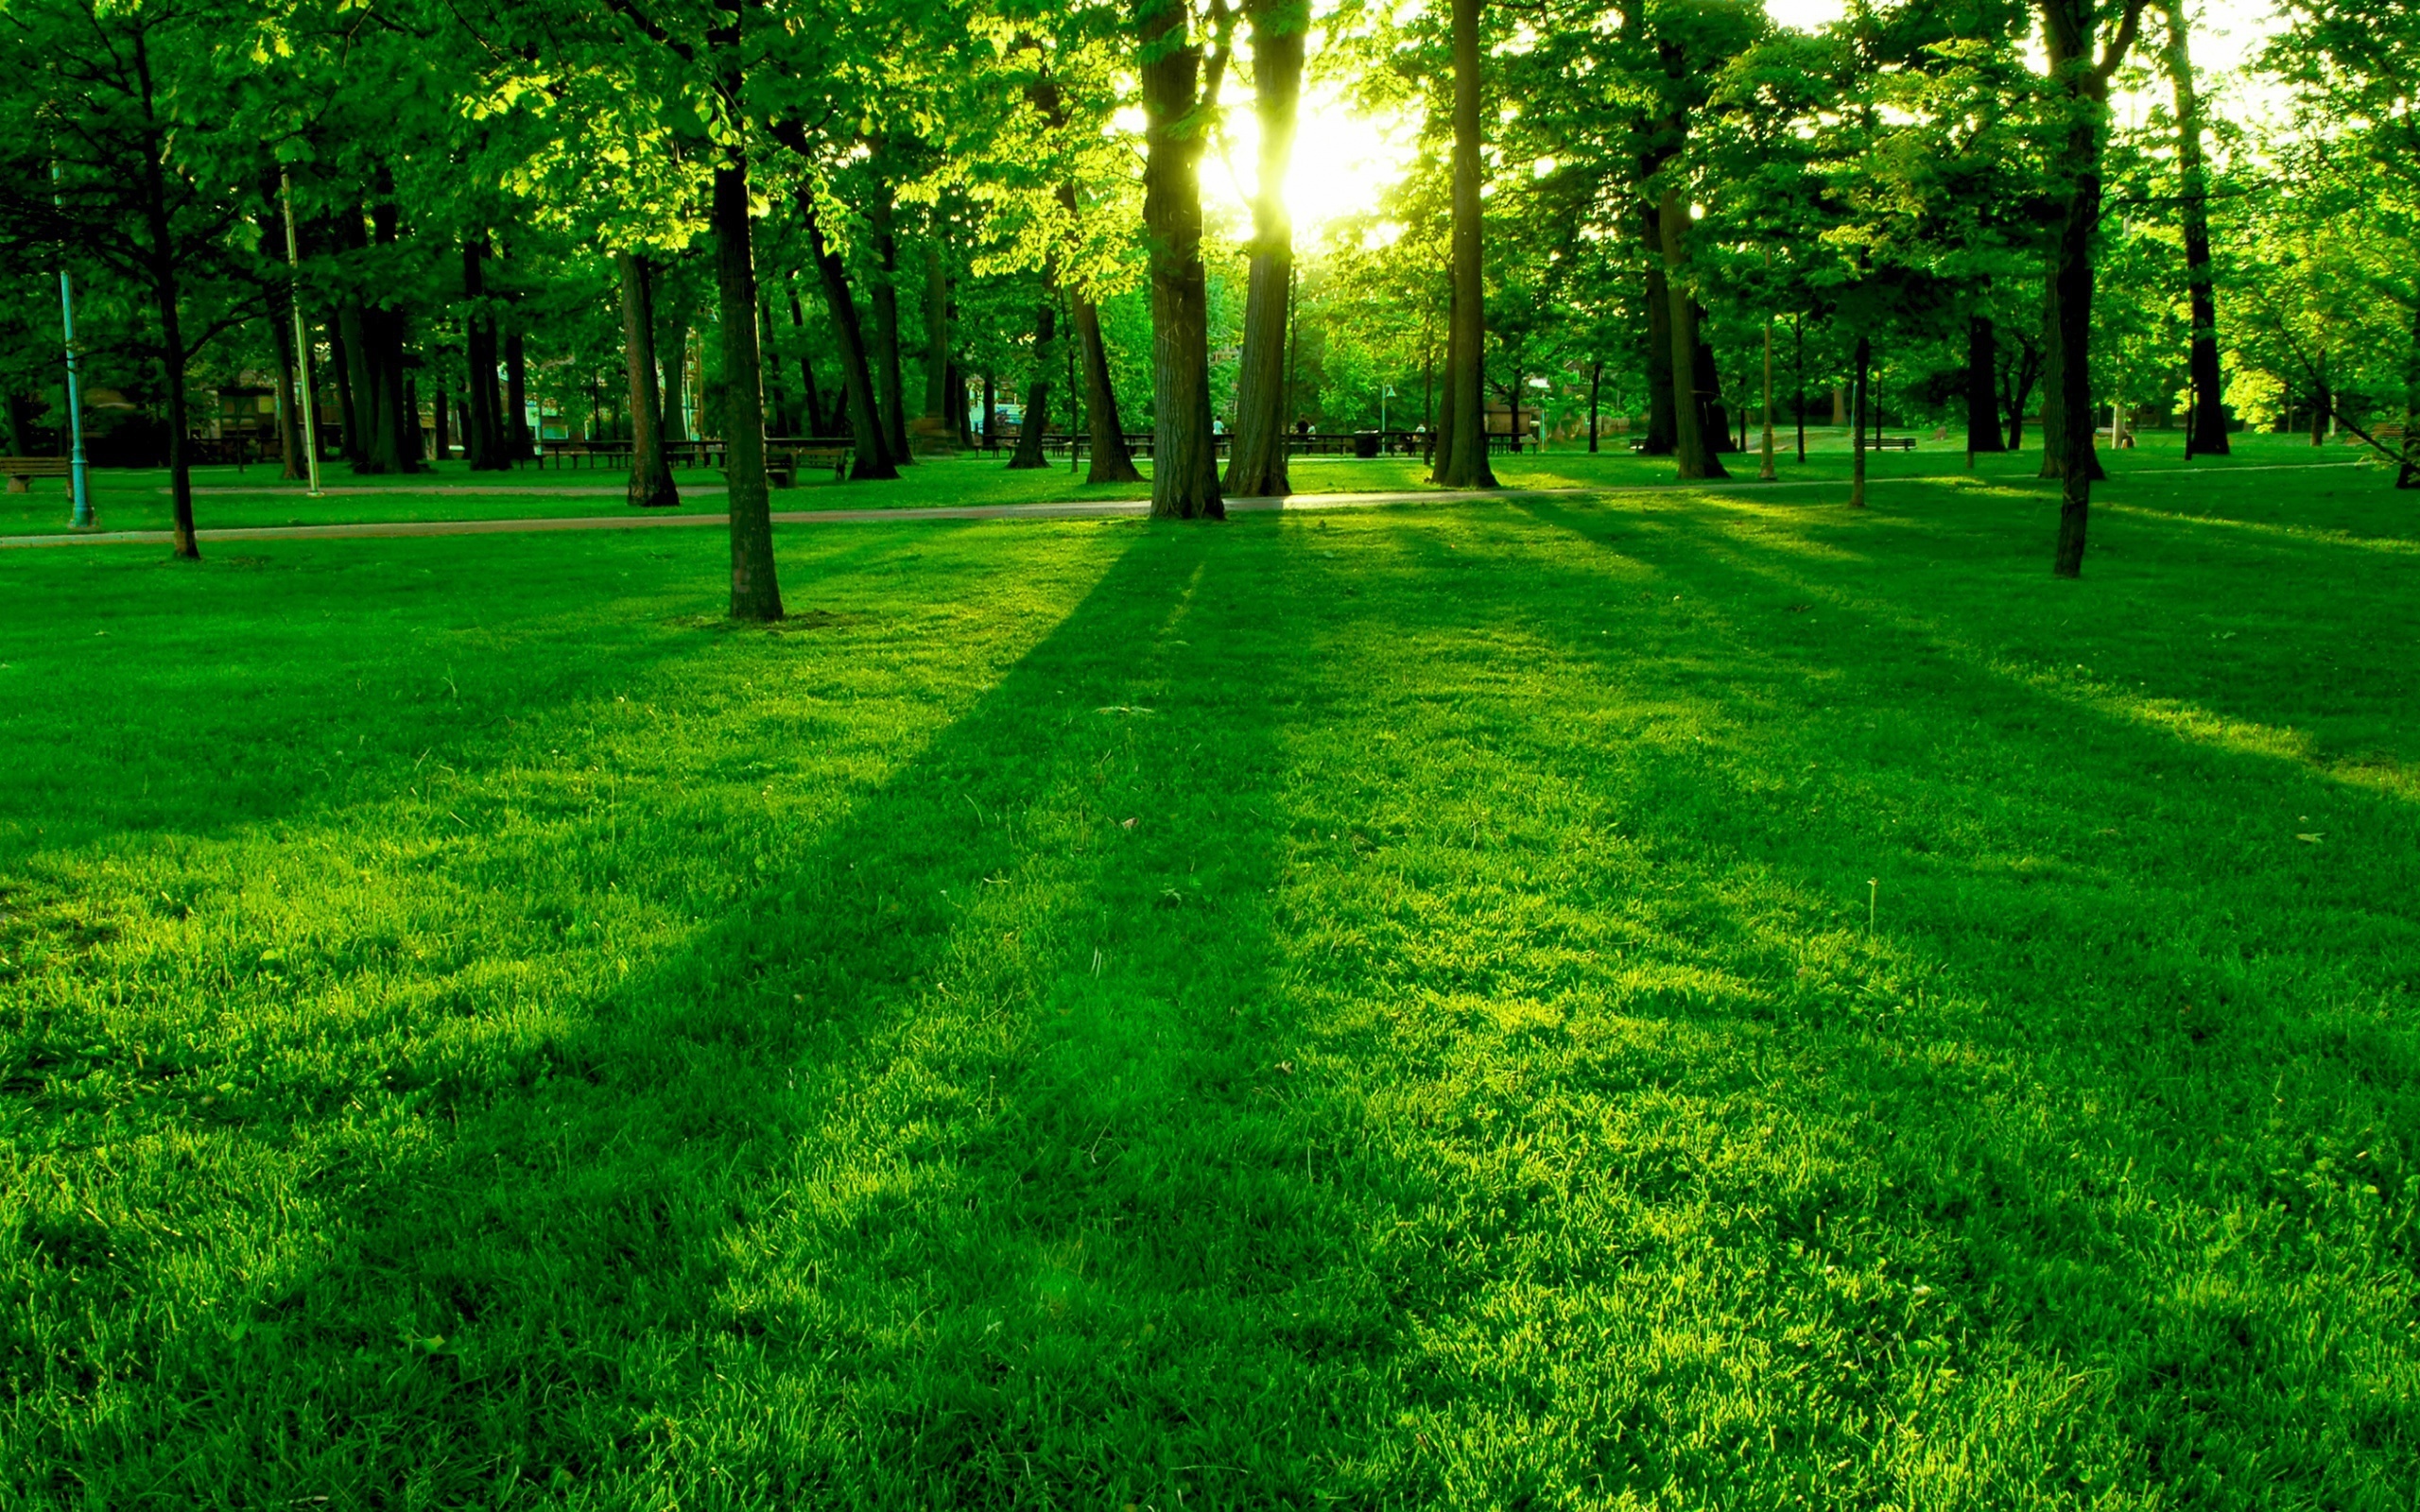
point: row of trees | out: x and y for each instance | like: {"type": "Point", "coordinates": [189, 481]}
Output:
{"type": "Point", "coordinates": [864, 204]}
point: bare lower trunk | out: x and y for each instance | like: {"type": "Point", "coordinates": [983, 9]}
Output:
{"type": "Point", "coordinates": [483, 444]}
{"type": "Point", "coordinates": [2073, 400]}
{"type": "Point", "coordinates": [936, 364]}
{"type": "Point", "coordinates": [652, 486]}
{"type": "Point", "coordinates": [1256, 462]}
{"type": "Point", "coordinates": [289, 423]}
{"type": "Point", "coordinates": [1857, 432]}
{"type": "Point", "coordinates": [1983, 386]}
{"type": "Point", "coordinates": [1662, 430]}
{"type": "Point", "coordinates": [1184, 459]}
{"type": "Point", "coordinates": [1112, 462]}
{"type": "Point", "coordinates": [816, 420]}
{"type": "Point", "coordinates": [1692, 449]}
{"type": "Point", "coordinates": [871, 449]}
{"type": "Point", "coordinates": [1462, 443]}
{"type": "Point", "coordinates": [516, 399]}
{"type": "Point", "coordinates": [1596, 385]}
{"type": "Point", "coordinates": [886, 323]}
{"type": "Point", "coordinates": [2205, 424]}
{"type": "Point", "coordinates": [1037, 388]}
{"type": "Point", "coordinates": [755, 593]}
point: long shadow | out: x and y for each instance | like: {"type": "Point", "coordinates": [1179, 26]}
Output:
{"type": "Point", "coordinates": [956, 1164]}
{"type": "Point", "coordinates": [2212, 1035]}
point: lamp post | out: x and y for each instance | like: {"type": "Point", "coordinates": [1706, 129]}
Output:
{"type": "Point", "coordinates": [302, 340]}
{"type": "Point", "coordinates": [80, 516]}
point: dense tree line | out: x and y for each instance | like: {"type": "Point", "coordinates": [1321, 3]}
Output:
{"type": "Point", "coordinates": [746, 217]}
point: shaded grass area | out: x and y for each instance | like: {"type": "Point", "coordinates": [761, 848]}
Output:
{"type": "Point", "coordinates": [137, 499]}
{"type": "Point", "coordinates": [1679, 1001]}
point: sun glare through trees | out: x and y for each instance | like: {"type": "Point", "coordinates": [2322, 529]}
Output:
{"type": "Point", "coordinates": [1468, 755]}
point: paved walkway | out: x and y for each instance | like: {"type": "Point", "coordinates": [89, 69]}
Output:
{"type": "Point", "coordinates": [1071, 510]}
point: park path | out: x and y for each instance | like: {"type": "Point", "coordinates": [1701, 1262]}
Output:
{"type": "Point", "coordinates": [1068, 510]}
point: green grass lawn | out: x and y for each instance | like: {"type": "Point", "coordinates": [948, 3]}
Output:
{"type": "Point", "coordinates": [1675, 1000]}
{"type": "Point", "coordinates": [137, 499]}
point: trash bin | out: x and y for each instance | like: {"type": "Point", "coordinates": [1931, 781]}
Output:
{"type": "Point", "coordinates": [1365, 443]}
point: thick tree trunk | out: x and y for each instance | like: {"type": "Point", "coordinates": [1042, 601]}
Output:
{"type": "Point", "coordinates": [1857, 432]}
{"type": "Point", "coordinates": [1663, 428]}
{"type": "Point", "coordinates": [1037, 388]}
{"type": "Point", "coordinates": [886, 319]}
{"type": "Point", "coordinates": [1461, 441]}
{"type": "Point", "coordinates": [1692, 449]}
{"type": "Point", "coordinates": [755, 593]}
{"type": "Point", "coordinates": [1105, 428]}
{"type": "Point", "coordinates": [516, 399]}
{"type": "Point", "coordinates": [1185, 455]}
{"type": "Point", "coordinates": [1256, 457]}
{"type": "Point", "coordinates": [483, 441]}
{"type": "Point", "coordinates": [2205, 426]}
{"type": "Point", "coordinates": [2072, 398]}
{"type": "Point", "coordinates": [651, 484]}
{"type": "Point", "coordinates": [1714, 416]}
{"type": "Point", "coordinates": [172, 361]}
{"type": "Point", "coordinates": [1596, 385]}
{"type": "Point", "coordinates": [870, 448]}
{"type": "Point", "coordinates": [1765, 468]}
{"type": "Point", "coordinates": [1983, 386]}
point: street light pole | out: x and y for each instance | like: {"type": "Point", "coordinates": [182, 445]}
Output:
{"type": "Point", "coordinates": [80, 516]}
{"type": "Point", "coordinates": [302, 339]}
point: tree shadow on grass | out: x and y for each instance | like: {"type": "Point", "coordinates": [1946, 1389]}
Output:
{"type": "Point", "coordinates": [958, 1164]}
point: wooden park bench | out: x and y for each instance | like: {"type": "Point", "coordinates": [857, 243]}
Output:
{"type": "Point", "coordinates": [22, 471]}
{"type": "Point", "coordinates": [1891, 443]}
{"type": "Point", "coordinates": [781, 464]}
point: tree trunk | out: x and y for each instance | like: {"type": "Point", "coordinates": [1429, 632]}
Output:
{"type": "Point", "coordinates": [755, 593]}
{"type": "Point", "coordinates": [936, 364]}
{"type": "Point", "coordinates": [1184, 453]}
{"type": "Point", "coordinates": [172, 352]}
{"type": "Point", "coordinates": [886, 318]}
{"type": "Point", "coordinates": [672, 358]}
{"type": "Point", "coordinates": [394, 439]}
{"type": "Point", "coordinates": [1691, 449]}
{"type": "Point", "coordinates": [991, 412]}
{"type": "Point", "coordinates": [289, 423]}
{"type": "Point", "coordinates": [1462, 443]}
{"type": "Point", "coordinates": [1596, 383]}
{"type": "Point", "coordinates": [652, 486]}
{"type": "Point", "coordinates": [1112, 461]}
{"type": "Point", "coordinates": [2205, 426]}
{"type": "Point", "coordinates": [516, 399]}
{"type": "Point", "coordinates": [870, 448]}
{"type": "Point", "coordinates": [1983, 386]}
{"type": "Point", "coordinates": [1857, 432]}
{"type": "Point", "coordinates": [1256, 457]}
{"type": "Point", "coordinates": [1714, 416]}
{"type": "Point", "coordinates": [1663, 428]}
{"type": "Point", "coordinates": [483, 441]}
{"type": "Point", "coordinates": [2072, 399]}
{"type": "Point", "coordinates": [1037, 388]}
{"type": "Point", "coordinates": [1765, 469]}
{"type": "Point", "coordinates": [441, 410]}
{"type": "Point", "coordinates": [816, 418]}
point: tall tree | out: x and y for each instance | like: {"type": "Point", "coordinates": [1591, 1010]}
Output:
{"type": "Point", "coordinates": [2086, 41]}
{"type": "Point", "coordinates": [651, 484]}
{"type": "Point", "coordinates": [1256, 457]}
{"type": "Point", "coordinates": [1180, 95]}
{"type": "Point", "coordinates": [1462, 437]}
{"type": "Point", "coordinates": [2205, 423]}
